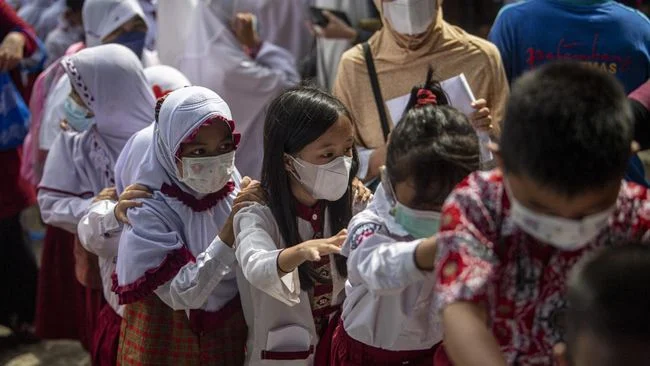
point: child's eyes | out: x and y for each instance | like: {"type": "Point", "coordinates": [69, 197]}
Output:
{"type": "Point", "coordinates": [227, 147]}
{"type": "Point", "coordinates": [327, 155]}
{"type": "Point", "coordinates": [197, 152]}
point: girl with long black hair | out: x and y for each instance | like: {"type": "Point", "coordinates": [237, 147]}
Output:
{"type": "Point", "coordinates": [292, 276]}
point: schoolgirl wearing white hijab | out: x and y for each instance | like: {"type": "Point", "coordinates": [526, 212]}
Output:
{"type": "Point", "coordinates": [215, 59]}
{"type": "Point", "coordinates": [111, 97]}
{"type": "Point", "coordinates": [99, 231]}
{"type": "Point", "coordinates": [175, 267]}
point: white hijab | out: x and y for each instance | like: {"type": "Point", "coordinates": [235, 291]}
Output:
{"type": "Point", "coordinates": [282, 23]}
{"type": "Point", "coordinates": [110, 81]}
{"type": "Point", "coordinates": [102, 17]}
{"type": "Point", "coordinates": [164, 79]}
{"type": "Point", "coordinates": [160, 78]}
{"type": "Point", "coordinates": [152, 251]}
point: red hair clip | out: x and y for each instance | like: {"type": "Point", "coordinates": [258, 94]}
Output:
{"type": "Point", "coordinates": [158, 92]}
{"type": "Point", "coordinates": [426, 97]}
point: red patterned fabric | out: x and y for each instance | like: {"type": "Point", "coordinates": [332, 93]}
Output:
{"type": "Point", "coordinates": [483, 257]}
{"type": "Point", "coordinates": [325, 314]}
{"type": "Point", "coordinates": [153, 334]}
{"type": "Point", "coordinates": [346, 351]}
{"type": "Point", "coordinates": [106, 337]}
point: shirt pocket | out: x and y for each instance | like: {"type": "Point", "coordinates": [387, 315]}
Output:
{"type": "Point", "coordinates": [289, 342]}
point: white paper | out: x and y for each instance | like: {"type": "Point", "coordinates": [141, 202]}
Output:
{"type": "Point", "coordinates": [396, 107]}
{"type": "Point", "coordinates": [290, 338]}
{"type": "Point", "coordinates": [460, 96]}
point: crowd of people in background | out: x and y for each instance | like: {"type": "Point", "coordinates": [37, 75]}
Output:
{"type": "Point", "coordinates": [328, 182]}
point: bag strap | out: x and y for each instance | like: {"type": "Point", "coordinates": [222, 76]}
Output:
{"type": "Point", "coordinates": [376, 91]}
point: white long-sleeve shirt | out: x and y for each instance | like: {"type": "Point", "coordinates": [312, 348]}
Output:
{"type": "Point", "coordinates": [61, 209]}
{"type": "Point", "coordinates": [389, 301]}
{"type": "Point", "coordinates": [99, 232]}
{"type": "Point", "coordinates": [277, 311]}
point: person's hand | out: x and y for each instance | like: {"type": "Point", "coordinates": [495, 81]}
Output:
{"type": "Point", "coordinates": [361, 193]}
{"type": "Point", "coordinates": [336, 28]}
{"type": "Point", "coordinates": [106, 194]}
{"type": "Point", "coordinates": [251, 191]}
{"type": "Point", "coordinates": [481, 119]}
{"type": "Point", "coordinates": [11, 51]}
{"type": "Point", "coordinates": [243, 27]}
{"type": "Point", "coordinates": [64, 126]}
{"type": "Point", "coordinates": [311, 251]}
{"type": "Point", "coordinates": [128, 199]}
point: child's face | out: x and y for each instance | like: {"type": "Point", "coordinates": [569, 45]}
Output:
{"type": "Point", "coordinates": [543, 200]}
{"type": "Point", "coordinates": [337, 141]}
{"type": "Point", "coordinates": [211, 140]}
{"type": "Point", "coordinates": [136, 24]}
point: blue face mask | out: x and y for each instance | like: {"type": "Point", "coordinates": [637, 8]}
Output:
{"type": "Point", "coordinates": [420, 224]}
{"type": "Point", "coordinates": [134, 40]}
{"type": "Point", "coordinates": [77, 116]}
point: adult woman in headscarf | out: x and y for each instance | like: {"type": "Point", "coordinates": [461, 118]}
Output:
{"type": "Point", "coordinates": [175, 268]}
{"type": "Point", "coordinates": [18, 271]}
{"type": "Point", "coordinates": [110, 101]}
{"type": "Point", "coordinates": [414, 37]}
{"type": "Point", "coordinates": [247, 80]}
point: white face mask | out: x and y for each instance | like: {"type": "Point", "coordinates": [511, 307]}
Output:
{"type": "Point", "coordinates": [410, 17]}
{"type": "Point", "coordinates": [208, 174]}
{"type": "Point", "coordinates": [324, 182]}
{"type": "Point", "coordinates": [564, 234]}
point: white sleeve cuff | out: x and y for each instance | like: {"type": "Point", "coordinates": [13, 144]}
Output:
{"type": "Point", "coordinates": [224, 254]}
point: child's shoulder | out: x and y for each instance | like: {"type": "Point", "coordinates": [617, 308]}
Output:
{"type": "Point", "coordinates": [478, 189]}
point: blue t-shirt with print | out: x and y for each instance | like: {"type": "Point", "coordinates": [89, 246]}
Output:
{"type": "Point", "coordinates": [604, 34]}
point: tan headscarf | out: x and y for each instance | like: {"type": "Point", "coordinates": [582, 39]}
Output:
{"type": "Point", "coordinates": [401, 63]}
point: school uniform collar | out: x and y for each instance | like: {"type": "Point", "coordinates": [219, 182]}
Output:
{"type": "Point", "coordinates": [383, 208]}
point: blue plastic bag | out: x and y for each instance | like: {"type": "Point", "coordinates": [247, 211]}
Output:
{"type": "Point", "coordinates": [14, 115]}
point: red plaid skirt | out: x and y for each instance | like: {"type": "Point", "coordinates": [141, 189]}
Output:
{"type": "Point", "coordinates": [154, 334]}
{"type": "Point", "coordinates": [347, 351]}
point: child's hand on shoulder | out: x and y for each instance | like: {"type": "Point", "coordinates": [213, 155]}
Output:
{"type": "Point", "coordinates": [361, 193]}
{"type": "Point", "coordinates": [128, 199]}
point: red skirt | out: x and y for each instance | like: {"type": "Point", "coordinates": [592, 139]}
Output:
{"type": "Point", "coordinates": [106, 338]}
{"type": "Point", "coordinates": [64, 308]}
{"type": "Point", "coordinates": [346, 351]}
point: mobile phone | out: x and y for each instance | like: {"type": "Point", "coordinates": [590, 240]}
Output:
{"type": "Point", "coordinates": [318, 18]}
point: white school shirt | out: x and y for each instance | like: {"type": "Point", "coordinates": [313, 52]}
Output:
{"type": "Point", "coordinates": [99, 232]}
{"type": "Point", "coordinates": [278, 313]}
{"type": "Point", "coordinates": [389, 301]}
